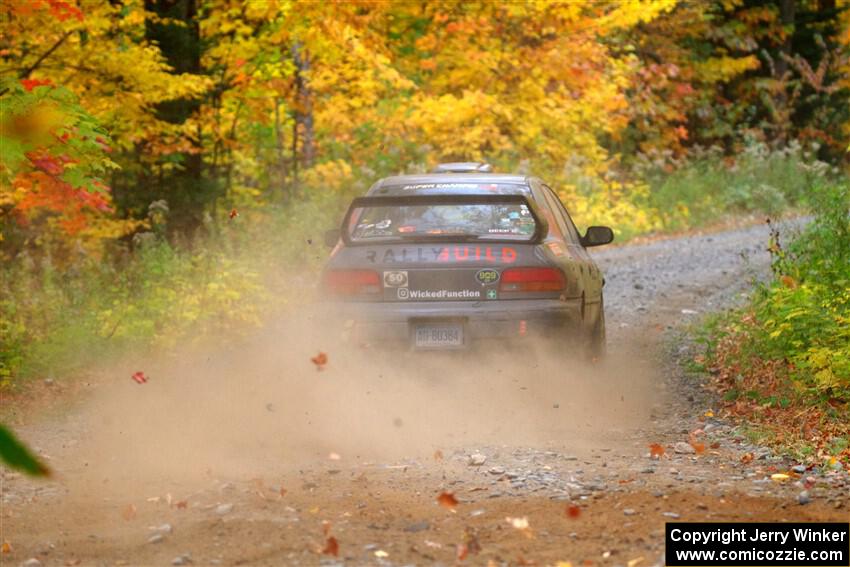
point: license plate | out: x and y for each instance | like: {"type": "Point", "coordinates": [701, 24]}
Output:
{"type": "Point", "coordinates": [436, 335]}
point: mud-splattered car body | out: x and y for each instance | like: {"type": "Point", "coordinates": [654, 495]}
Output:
{"type": "Point", "coordinates": [445, 260]}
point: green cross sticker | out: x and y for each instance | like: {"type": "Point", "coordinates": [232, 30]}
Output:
{"type": "Point", "coordinates": [491, 294]}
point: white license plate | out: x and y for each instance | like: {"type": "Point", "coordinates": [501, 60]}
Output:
{"type": "Point", "coordinates": [438, 335]}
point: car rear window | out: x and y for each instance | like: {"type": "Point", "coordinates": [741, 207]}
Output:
{"type": "Point", "coordinates": [485, 221]}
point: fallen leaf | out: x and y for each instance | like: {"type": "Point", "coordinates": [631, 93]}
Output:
{"type": "Point", "coordinates": [326, 528]}
{"type": "Point", "coordinates": [573, 511]}
{"type": "Point", "coordinates": [656, 450]}
{"type": "Point", "coordinates": [181, 504]}
{"type": "Point", "coordinates": [747, 458]}
{"type": "Point", "coordinates": [634, 562]}
{"type": "Point", "coordinates": [233, 214]}
{"type": "Point", "coordinates": [699, 448]}
{"type": "Point", "coordinates": [472, 544]}
{"type": "Point", "coordinates": [331, 547]}
{"type": "Point", "coordinates": [320, 360]}
{"type": "Point", "coordinates": [438, 455]}
{"type": "Point", "coordinates": [283, 492]}
{"type": "Point", "coordinates": [6, 547]}
{"type": "Point", "coordinates": [447, 500]}
{"type": "Point", "coordinates": [779, 477]}
{"type": "Point", "coordinates": [381, 553]}
{"type": "Point", "coordinates": [72, 562]}
{"type": "Point", "coordinates": [129, 512]}
{"type": "Point", "coordinates": [139, 377]}
{"type": "Point", "coordinates": [462, 551]}
{"type": "Point", "coordinates": [715, 445]}
{"type": "Point", "coordinates": [708, 413]}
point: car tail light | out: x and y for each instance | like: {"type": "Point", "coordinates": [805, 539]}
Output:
{"type": "Point", "coordinates": [532, 279]}
{"type": "Point", "coordinates": [352, 282]}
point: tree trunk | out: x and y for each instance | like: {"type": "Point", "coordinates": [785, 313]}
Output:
{"type": "Point", "coordinates": [303, 105]}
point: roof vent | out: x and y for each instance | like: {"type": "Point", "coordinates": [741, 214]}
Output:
{"type": "Point", "coordinates": [463, 167]}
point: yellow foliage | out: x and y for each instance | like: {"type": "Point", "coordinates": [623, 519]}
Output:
{"type": "Point", "coordinates": [718, 69]}
{"type": "Point", "coordinates": [333, 175]}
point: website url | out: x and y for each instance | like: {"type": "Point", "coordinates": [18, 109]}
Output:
{"type": "Point", "coordinates": [747, 555]}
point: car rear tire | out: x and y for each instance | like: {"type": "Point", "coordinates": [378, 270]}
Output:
{"type": "Point", "coordinates": [596, 340]}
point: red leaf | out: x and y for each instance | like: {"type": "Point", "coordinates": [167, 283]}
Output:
{"type": "Point", "coordinates": [139, 377]}
{"type": "Point", "coordinates": [447, 500]}
{"type": "Point", "coordinates": [656, 451]}
{"type": "Point", "coordinates": [331, 547]}
{"type": "Point", "coordinates": [233, 214]}
{"type": "Point", "coordinates": [320, 360]}
{"type": "Point", "coordinates": [30, 84]}
{"type": "Point", "coordinates": [573, 512]}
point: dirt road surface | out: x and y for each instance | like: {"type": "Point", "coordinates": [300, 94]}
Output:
{"type": "Point", "coordinates": [247, 455]}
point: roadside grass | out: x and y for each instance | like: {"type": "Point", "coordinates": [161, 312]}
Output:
{"type": "Point", "coordinates": [155, 293]}
{"type": "Point", "coordinates": [782, 362]}
{"type": "Point", "coordinates": [55, 322]}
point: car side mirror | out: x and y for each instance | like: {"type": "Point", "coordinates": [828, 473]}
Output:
{"type": "Point", "coordinates": [331, 237]}
{"type": "Point", "coordinates": [597, 236]}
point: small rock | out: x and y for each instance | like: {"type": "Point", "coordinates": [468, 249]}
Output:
{"type": "Point", "coordinates": [164, 529]}
{"type": "Point", "coordinates": [683, 448]}
{"type": "Point", "coordinates": [647, 470]}
{"type": "Point", "coordinates": [496, 470]}
{"type": "Point", "coordinates": [31, 562]}
{"type": "Point", "coordinates": [417, 527]}
{"type": "Point", "coordinates": [477, 459]}
{"type": "Point", "coordinates": [223, 509]}
{"type": "Point", "coordinates": [803, 498]}
{"type": "Point", "coordinates": [156, 538]}
{"type": "Point", "coordinates": [673, 515]}
{"type": "Point", "coordinates": [629, 512]}
{"type": "Point", "coordinates": [556, 406]}
{"type": "Point", "coordinates": [184, 559]}
{"type": "Point", "coordinates": [837, 466]}
{"type": "Point", "coordinates": [799, 469]}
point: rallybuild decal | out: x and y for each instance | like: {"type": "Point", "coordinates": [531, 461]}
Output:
{"type": "Point", "coordinates": [437, 294]}
{"type": "Point", "coordinates": [496, 254]}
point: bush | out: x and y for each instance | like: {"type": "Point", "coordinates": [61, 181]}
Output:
{"type": "Point", "coordinates": [709, 186]}
{"type": "Point", "coordinates": [783, 362]}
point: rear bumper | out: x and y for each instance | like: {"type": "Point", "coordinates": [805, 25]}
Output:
{"type": "Point", "coordinates": [388, 322]}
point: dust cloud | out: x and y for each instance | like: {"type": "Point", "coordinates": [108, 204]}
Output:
{"type": "Point", "coordinates": [260, 407]}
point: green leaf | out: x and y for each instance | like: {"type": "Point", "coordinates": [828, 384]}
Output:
{"type": "Point", "coordinates": [17, 456]}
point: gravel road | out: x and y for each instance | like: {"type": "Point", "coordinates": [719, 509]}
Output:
{"type": "Point", "coordinates": [249, 456]}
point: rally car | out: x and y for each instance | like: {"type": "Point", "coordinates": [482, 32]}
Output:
{"type": "Point", "coordinates": [460, 256]}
